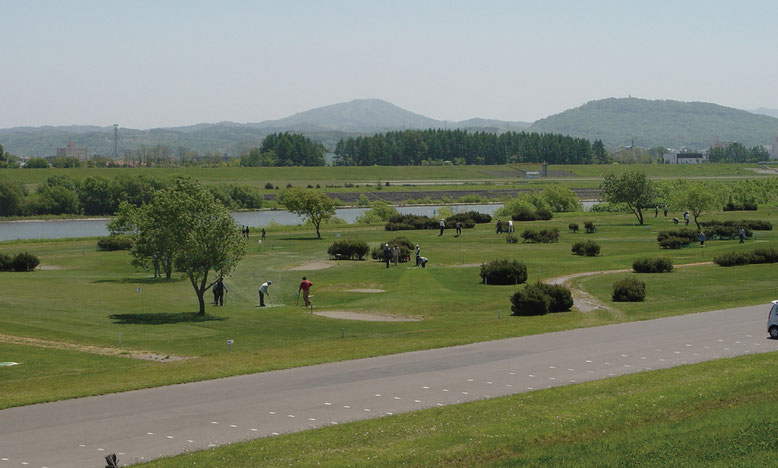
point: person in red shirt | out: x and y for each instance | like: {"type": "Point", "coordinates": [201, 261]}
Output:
{"type": "Point", "coordinates": [305, 287]}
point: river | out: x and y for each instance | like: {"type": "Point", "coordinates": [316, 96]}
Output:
{"type": "Point", "coordinates": [59, 229]}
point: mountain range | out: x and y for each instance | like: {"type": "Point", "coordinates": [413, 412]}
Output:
{"type": "Point", "coordinates": [615, 121]}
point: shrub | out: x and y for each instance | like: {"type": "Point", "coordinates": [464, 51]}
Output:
{"type": "Point", "coordinates": [589, 226]}
{"type": "Point", "coordinates": [745, 206]}
{"type": "Point", "coordinates": [398, 227]}
{"type": "Point", "coordinates": [530, 301]}
{"type": "Point", "coordinates": [269, 186]}
{"type": "Point", "coordinates": [544, 214]}
{"type": "Point", "coordinates": [766, 255]}
{"type": "Point", "coordinates": [349, 249]}
{"type": "Point", "coordinates": [511, 239]}
{"type": "Point", "coordinates": [115, 243]}
{"type": "Point", "coordinates": [542, 236]}
{"type": "Point", "coordinates": [560, 296]}
{"type": "Point", "coordinates": [503, 272]}
{"type": "Point", "coordinates": [733, 259]}
{"type": "Point", "coordinates": [5, 262]}
{"type": "Point", "coordinates": [24, 261]}
{"type": "Point", "coordinates": [573, 227]}
{"type": "Point", "coordinates": [474, 216]}
{"type": "Point", "coordinates": [416, 221]}
{"type": "Point", "coordinates": [752, 224]}
{"type": "Point", "coordinates": [586, 248]}
{"type": "Point", "coordinates": [406, 248]}
{"type": "Point", "coordinates": [629, 290]}
{"type": "Point", "coordinates": [653, 265]}
{"type": "Point", "coordinates": [680, 237]}
{"type": "Point", "coordinates": [673, 243]}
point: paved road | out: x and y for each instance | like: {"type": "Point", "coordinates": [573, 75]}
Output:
{"type": "Point", "coordinates": [146, 424]}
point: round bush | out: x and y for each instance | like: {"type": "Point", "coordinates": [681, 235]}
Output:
{"type": "Point", "coordinates": [24, 261]}
{"type": "Point", "coordinates": [406, 249]}
{"type": "Point", "coordinates": [560, 296]}
{"type": "Point", "coordinates": [653, 265]}
{"type": "Point", "coordinates": [573, 227]}
{"type": "Point", "coordinates": [349, 249]}
{"type": "Point", "coordinates": [511, 239]}
{"type": "Point", "coordinates": [629, 290]}
{"type": "Point", "coordinates": [503, 272]}
{"type": "Point", "coordinates": [530, 301]}
{"type": "Point", "coordinates": [586, 248]}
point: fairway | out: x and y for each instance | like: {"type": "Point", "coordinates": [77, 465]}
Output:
{"type": "Point", "coordinates": [91, 298]}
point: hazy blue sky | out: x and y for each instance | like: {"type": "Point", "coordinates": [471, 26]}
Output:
{"type": "Point", "coordinates": [165, 63]}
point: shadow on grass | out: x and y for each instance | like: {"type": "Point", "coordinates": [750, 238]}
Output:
{"type": "Point", "coordinates": [162, 318]}
{"type": "Point", "coordinates": [141, 280]}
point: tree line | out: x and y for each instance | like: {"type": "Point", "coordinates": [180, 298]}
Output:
{"type": "Point", "coordinates": [96, 195]}
{"type": "Point", "coordinates": [423, 147]}
{"type": "Point", "coordinates": [285, 149]}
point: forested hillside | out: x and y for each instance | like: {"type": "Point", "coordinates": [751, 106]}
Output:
{"type": "Point", "coordinates": [660, 123]}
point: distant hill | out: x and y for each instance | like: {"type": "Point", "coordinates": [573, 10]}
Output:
{"type": "Point", "coordinates": [324, 124]}
{"type": "Point", "coordinates": [618, 121]}
{"type": "Point", "coordinates": [765, 111]}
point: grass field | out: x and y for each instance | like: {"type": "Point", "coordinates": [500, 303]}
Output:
{"type": "Point", "coordinates": [718, 413]}
{"type": "Point", "coordinates": [280, 176]}
{"type": "Point", "coordinates": [85, 297]}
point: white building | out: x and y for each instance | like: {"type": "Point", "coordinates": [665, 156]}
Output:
{"type": "Point", "coordinates": [675, 157]}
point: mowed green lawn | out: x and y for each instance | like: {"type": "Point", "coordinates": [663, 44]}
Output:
{"type": "Point", "coordinates": [717, 413]}
{"type": "Point", "coordinates": [88, 297]}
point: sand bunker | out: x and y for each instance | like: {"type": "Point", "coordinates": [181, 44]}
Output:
{"type": "Point", "coordinates": [340, 314]}
{"type": "Point", "coordinates": [315, 265]}
{"type": "Point", "coordinates": [52, 267]}
{"type": "Point", "coordinates": [129, 353]}
{"type": "Point", "coordinates": [467, 265]}
{"type": "Point", "coordinates": [366, 290]}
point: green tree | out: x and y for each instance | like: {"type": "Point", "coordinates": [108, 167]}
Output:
{"type": "Point", "coordinates": [379, 212]}
{"type": "Point", "coordinates": [314, 206]}
{"type": "Point", "coordinates": [12, 195]}
{"type": "Point", "coordinates": [96, 196]}
{"type": "Point", "coordinates": [633, 188]}
{"type": "Point", "coordinates": [36, 163]}
{"type": "Point", "coordinates": [561, 199]}
{"type": "Point", "coordinates": [600, 153]}
{"type": "Point", "coordinates": [697, 198]}
{"type": "Point", "coordinates": [196, 231]}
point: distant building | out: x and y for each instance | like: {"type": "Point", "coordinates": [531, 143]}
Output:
{"type": "Point", "coordinates": [675, 157]}
{"type": "Point", "coordinates": [72, 151]}
{"type": "Point", "coordinates": [774, 151]}
{"type": "Point", "coordinates": [532, 175]}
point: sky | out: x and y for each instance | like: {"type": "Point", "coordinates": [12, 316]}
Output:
{"type": "Point", "coordinates": [146, 64]}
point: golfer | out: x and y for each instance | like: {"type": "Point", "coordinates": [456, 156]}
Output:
{"type": "Point", "coordinates": [442, 226]}
{"type": "Point", "coordinates": [387, 254]}
{"type": "Point", "coordinates": [418, 255]}
{"type": "Point", "coordinates": [263, 290]}
{"type": "Point", "coordinates": [305, 287]}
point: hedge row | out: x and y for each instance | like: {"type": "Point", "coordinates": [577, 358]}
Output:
{"type": "Point", "coordinates": [542, 236]}
{"type": "Point", "coordinates": [653, 265]}
{"type": "Point", "coordinates": [115, 243]}
{"type": "Point", "coordinates": [503, 272]}
{"type": "Point", "coordinates": [753, 224]}
{"type": "Point", "coordinates": [407, 222]}
{"type": "Point", "coordinates": [349, 249]}
{"type": "Point", "coordinates": [542, 214]}
{"type": "Point", "coordinates": [766, 255]}
{"type": "Point", "coordinates": [676, 239]}
{"type": "Point", "coordinates": [540, 299]}
{"type": "Point", "coordinates": [476, 217]}
{"type": "Point", "coordinates": [23, 261]}
{"type": "Point", "coordinates": [745, 206]}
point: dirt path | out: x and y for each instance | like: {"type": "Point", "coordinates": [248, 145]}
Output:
{"type": "Point", "coordinates": [584, 301]}
{"type": "Point", "coordinates": [128, 353]}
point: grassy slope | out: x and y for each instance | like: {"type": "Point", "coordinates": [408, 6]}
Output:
{"type": "Point", "coordinates": [93, 299]}
{"type": "Point", "coordinates": [718, 413]}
